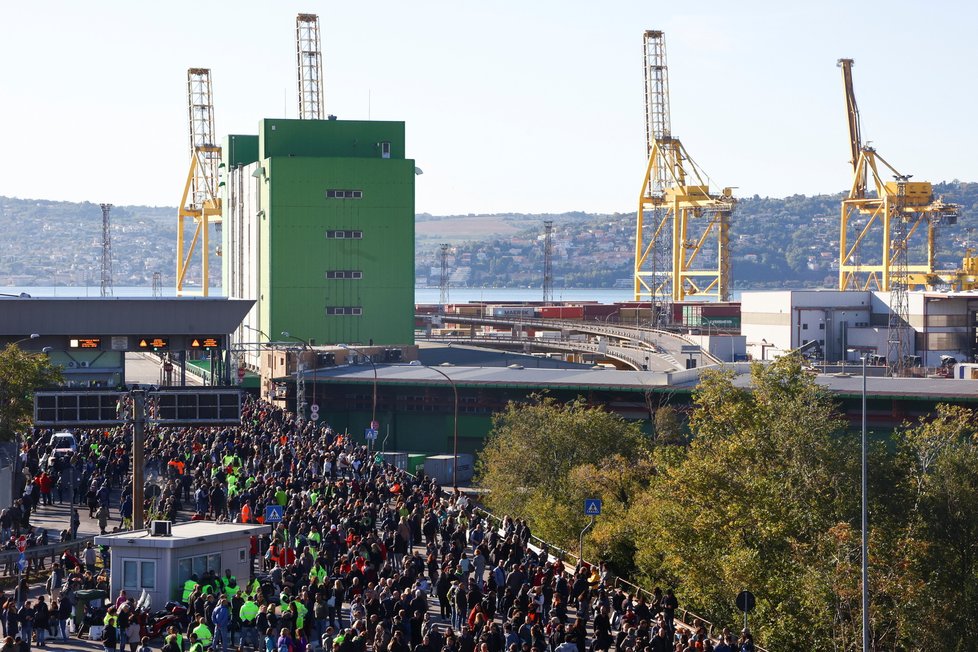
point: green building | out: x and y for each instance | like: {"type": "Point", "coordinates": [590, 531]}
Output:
{"type": "Point", "coordinates": [318, 228]}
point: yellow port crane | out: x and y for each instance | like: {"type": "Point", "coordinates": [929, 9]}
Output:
{"type": "Point", "coordinates": [685, 218]}
{"type": "Point", "coordinates": [883, 220]}
{"type": "Point", "coordinates": [200, 200]}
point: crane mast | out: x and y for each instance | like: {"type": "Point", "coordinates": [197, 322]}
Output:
{"type": "Point", "coordinates": [309, 67]}
{"type": "Point", "coordinates": [200, 201]}
{"type": "Point", "coordinates": [679, 220]}
{"type": "Point", "coordinates": [883, 222]}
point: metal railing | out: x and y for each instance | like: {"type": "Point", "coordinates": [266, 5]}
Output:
{"type": "Point", "coordinates": [38, 555]}
{"type": "Point", "coordinates": [685, 617]}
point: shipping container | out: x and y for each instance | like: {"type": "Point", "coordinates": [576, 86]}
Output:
{"type": "Point", "coordinates": [599, 311]}
{"type": "Point", "coordinates": [416, 462]}
{"type": "Point", "coordinates": [512, 311]}
{"type": "Point", "coordinates": [562, 312]}
{"type": "Point", "coordinates": [440, 467]}
{"type": "Point", "coordinates": [399, 460]}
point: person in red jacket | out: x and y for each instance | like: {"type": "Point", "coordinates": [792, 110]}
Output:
{"type": "Point", "coordinates": [45, 483]}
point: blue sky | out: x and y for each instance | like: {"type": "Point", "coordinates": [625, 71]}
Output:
{"type": "Point", "coordinates": [530, 106]}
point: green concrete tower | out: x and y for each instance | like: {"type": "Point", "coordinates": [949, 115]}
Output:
{"type": "Point", "coordinates": [319, 230]}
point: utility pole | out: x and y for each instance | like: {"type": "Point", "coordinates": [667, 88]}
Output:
{"type": "Point", "coordinates": [443, 280]}
{"type": "Point", "coordinates": [106, 251]}
{"type": "Point", "coordinates": [138, 481]}
{"type": "Point", "coordinates": [548, 262]}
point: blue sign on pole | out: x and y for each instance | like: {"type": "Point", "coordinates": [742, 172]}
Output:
{"type": "Point", "coordinates": [22, 562]}
{"type": "Point", "coordinates": [273, 513]}
{"type": "Point", "coordinates": [592, 506]}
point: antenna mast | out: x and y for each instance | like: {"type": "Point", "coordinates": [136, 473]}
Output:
{"type": "Point", "coordinates": [309, 67]}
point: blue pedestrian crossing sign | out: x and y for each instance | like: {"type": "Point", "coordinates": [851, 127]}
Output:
{"type": "Point", "coordinates": [592, 506]}
{"type": "Point", "coordinates": [273, 513]}
{"type": "Point", "coordinates": [22, 562]}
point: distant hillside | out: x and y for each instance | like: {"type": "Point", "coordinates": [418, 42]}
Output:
{"type": "Point", "coordinates": [787, 242]}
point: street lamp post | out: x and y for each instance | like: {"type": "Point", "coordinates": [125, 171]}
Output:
{"type": "Point", "coordinates": [32, 336]}
{"type": "Point", "coordinates": [300, 378]}
{"type": "Point", "coordinates": [455, 429]}
{"type": "Point", "coordinates": [865, 522]}
{"type": "Point", "coordinates": [373, 410]}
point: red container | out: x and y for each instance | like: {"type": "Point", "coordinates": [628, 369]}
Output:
{"type": "Point", "coordinates": [562, 312]}
{"type": "Point", "coordinates": [599, 310]}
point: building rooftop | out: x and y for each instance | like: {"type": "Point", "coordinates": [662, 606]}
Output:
{"type": "Point", "coordinates": [843, 385]}
{"type": "Point", "coordinates": [183, 534]}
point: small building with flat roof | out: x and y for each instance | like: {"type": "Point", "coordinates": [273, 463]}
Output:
{"type": "Point", "coordinates": [160, 565]}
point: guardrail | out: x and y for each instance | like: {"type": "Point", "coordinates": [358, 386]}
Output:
{"type": "Point", "coordinates": [37, 556]}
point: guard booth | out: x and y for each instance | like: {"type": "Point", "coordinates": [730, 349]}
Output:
{"type": "Point", "coordinates": [160, 563]}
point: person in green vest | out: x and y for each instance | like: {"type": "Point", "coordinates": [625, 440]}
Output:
{"type": "Point", "coordinates": [300, 612]}
{"type": "Point", "coordinates": [281, 497]}
{"type": "Point", "coordinates": [202, 632]}
{"type": "Point", "coordinates": [230, 584]}
{"type": "Point", "coordinates": [195, 644]}
{"type": "Point", "coordinates": [173, 635]}
{"type": "Point", "coordinates": [318, 572]}
{"type": "Point", "coordinates": [248, 613]}
{"type": "Point", "coordinates": [188, 588]}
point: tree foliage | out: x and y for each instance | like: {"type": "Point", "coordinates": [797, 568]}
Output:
{"type": "Point", "coordinates": [21, 374]}
{"type": "Point", "coordinates": [766, 497]}
{"type": "Point", "coordinates": [532, 450]}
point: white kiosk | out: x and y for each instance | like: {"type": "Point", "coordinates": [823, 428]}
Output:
{"type": "Point", "coordinates": [160, 563]}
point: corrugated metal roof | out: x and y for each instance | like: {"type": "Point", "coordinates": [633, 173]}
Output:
{"type": "Point", "coordinates": [121, 315]}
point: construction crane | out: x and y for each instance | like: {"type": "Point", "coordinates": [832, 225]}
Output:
{"type": "Point", "coordinates": [200, 200]}
{"type": "Point", "coordinates": [309, 67]}
{"type": "Point", "coordinates": [685, 217]}
{"type": "Point", "coordinates": [882, 221]}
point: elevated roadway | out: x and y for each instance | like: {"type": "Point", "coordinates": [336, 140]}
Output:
{"type": "Point", "coordinates": [659, 350]}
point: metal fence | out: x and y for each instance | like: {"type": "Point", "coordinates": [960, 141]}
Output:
{"type": "Point", "coordinates": [685, 617]}
{"type": "Point", "coordinates": [39, 558]}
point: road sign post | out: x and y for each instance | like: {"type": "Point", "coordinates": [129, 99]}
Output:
{"type": "Point", "coordinates": [22, 543]}
{"type": "Point", "coordinates": [592, 508]}
{"type": "Point", "coordinates": [746, 603]}
{"type": "Point", "coordinates": [274, 513]}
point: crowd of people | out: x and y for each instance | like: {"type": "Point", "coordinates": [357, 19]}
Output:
{"type": "Point", "coordinates": [366, 557]}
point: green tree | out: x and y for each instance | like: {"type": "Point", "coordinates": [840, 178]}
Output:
{"type": "Point", "coordinates": [753, 502]}
{"type": "Point", "coordinates": [940, 541]}
{"type": "Point", "coordinates": [533, 449]}
{"type": "Point", "coordinates": [21, 373]}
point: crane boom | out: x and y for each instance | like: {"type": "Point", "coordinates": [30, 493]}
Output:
{"type": "Point", "coordinates": [852, 114]}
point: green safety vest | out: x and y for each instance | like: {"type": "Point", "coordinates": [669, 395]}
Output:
{"type": "Point", "coordinates": [230, 591]}
{"type": "Point", "coordinates": [203, 633]}
{"type": "Point", "coordinates": [281, 498]}
{"type": "Point", "coordinates": [301, 612]}
{"type": "Point", "coordinates": [317, 572]}
{"type": "Point", "coordinates": [248, 611]}
{"type": "Point", "coordinates": [188, 588]}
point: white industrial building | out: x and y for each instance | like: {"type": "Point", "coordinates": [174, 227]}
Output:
{"type": "Point", "coordinates": [848, 324]}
